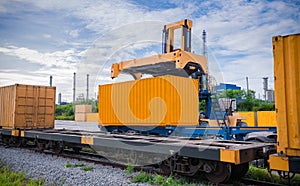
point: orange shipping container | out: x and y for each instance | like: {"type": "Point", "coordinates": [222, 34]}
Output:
{"type": "Point", "coordinates": [83, 108]}
{"type": "Point", "coordinates": [92, 117]}
{"type": "Point", "coordinates": [249, 118]}
{"type": "Point", "coordinates": [286, 50]}
{"type": "Point", "coordinates": [159, 101]}
{"type": "Point", "coordinates": [27, 106]}
{"type": "Point", "coordinates": [266, 118]}
{"type": "Point", "coordinates": [80, 117]}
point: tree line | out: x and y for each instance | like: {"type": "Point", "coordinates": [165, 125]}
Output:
{"type": "Point", "coordinates": [246, 101]}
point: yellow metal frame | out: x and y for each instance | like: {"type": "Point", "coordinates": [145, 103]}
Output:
{"type": "Point", "coordinates": [230, 156]}
{"type": "Point", "coordinates": [170, 28]}
{"type": "Point", "coordinates": [178, 58]}
{"type": "Point", "coordinates": [87, 140]}
{"type": "Point", "coordinates": [168, 63]}
{"type": "Point", "coordinates": [279, 163]}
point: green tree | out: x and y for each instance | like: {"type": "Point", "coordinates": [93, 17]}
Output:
{"type": "Point", "coordinates": [64, 110]}
{"type": "Point", "coordinates": [202, 106]}
{"type": "Point", "coordinates": [246, 101]}
{"type": "Point", "coordinates": [58, 110]}
{"type": "Point", "coordinates": [238, 94]}
{"type": "Point", "coordinates": [263, 106]}
{"type": "Point", "coordinates": [92, 102]}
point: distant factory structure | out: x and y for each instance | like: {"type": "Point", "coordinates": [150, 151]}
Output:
{"type": "Point", "coordinates": [59, 98]}
{"type": "Point", "coordinates": [224, 86]}
{"type": "Point", "coordinates": [269, 95]}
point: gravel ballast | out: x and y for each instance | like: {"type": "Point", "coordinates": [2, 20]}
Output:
{"type": "Point", "coordinates": [52, 169]}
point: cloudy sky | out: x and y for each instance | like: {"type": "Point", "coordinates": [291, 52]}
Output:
{"type": "Point", "coordinates": [58, 38]}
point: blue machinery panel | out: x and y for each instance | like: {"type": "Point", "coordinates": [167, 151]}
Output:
{"type": "Point", "coordinates": [227, 133]}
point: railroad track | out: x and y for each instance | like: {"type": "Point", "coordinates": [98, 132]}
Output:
{"type": "Point", "coordinates": [248, 181]}
{"type": "Point", "coordinates": [98, 159]}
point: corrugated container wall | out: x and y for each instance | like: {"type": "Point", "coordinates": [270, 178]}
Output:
{"type": "Point", "coordinates": [159, 101]}
{"type": "Point", "coordinates": [81, 112]}
{"type": "Point", "coordinates": [286, 51]}
{"type": "Point", "coordinates": [92, 117]}
{"type": "Point", "coordinates": [27, 106]}
{"type": "Point", "coordinates": [83, 108]}
{"type": "Point", "coordinates": [266, 118]}
{"type": "Point", "coordinates": [249, 118]}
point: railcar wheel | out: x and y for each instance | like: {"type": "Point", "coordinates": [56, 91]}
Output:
{"type": "Point", "coordinates": [59, 147]}
{"type": "Point", "coordinates": [286, 175]}
{"type": "Point", "coordinates": [76, 149]}
{"type": "Point", "coordinates": [5, 140]}
{"type": "Point", "coordinates": [165, 167]}
{"type": "Point", "coordinates": [238, 171]}
{"type": "Point", "coordinates": [220, 173]}
{"type": "Point", "coordinates": [15, 142]}
{"type": "Point", "coordinates": [40, 145]}
{"type": "Point", "coordinates": [24, 142]}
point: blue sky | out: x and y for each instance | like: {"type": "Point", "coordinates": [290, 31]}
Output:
{"type": "Point", "coordinates": [43, 38]}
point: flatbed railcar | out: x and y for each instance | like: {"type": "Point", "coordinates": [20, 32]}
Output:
{"type": "Point", "coordinates": [217, 159]}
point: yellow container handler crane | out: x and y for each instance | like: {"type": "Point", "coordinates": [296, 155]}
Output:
{"type": "Point", "coordinates": [181, 62]}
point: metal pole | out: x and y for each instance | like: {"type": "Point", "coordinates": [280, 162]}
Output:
{"type": "Point", "coordinates": [265, 86]}
{"type": "Point", "coordinates": [87, 87]}
{"type": "Point", "coordinates": [204, 42]}
{"type": "Point", "coordinates": [74, 85]}
{"type": "Point", "coordinates": [50, 81]}
{"type": "Point", "coordinates": [59, 98]}
{"type": "Point", "coordinates": [247, 82]}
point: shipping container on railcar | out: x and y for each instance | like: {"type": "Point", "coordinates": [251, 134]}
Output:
{"type": "Point", "coordinates": [153, 102]}
{"type": "Point", "coordinates": [27, 106]}
{"type": "Point", "coordinates": [286, 51]}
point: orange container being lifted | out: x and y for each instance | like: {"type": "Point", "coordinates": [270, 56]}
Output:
{"type": "Point", "coordinates": [27, 106]}
{"type": "Point", "coordinates": [159, 101]}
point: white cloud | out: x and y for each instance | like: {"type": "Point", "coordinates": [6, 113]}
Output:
{"type": "Point", "coordinates": [47, 36]}
{"type": "Point", "coordinates": [9, 78]}
{"type": "Point", "coordinates": [61, 59]}
{"type": "Point", "coordinates": [3, 7]}
{"type": "Point", "coordinates": [74, 33]}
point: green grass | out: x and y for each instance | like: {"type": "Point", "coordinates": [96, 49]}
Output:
{"type": "Point", "coordinates": [83, 167]}
{"type": "Point", "coordinates": [7, 178]}
{"type": "Point", "coordinates": [143, 177]}
{"type": "Point", "coordinates": [87, 168]}
{"type": "Point", "coordinates": [263, 175]}
{"type": "Point", "coordinates": [64, 117]}
{"type": "Point", "coordinates": [253, 173]}
{"type": "Point", "coordinates": [129, 169]}
{"type": "Point", "coordinates": [89, 150]}
{"type": "Point", "coordinates": [69, 165]}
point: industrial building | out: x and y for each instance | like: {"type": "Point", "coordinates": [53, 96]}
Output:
{"type": "Point", "coordinates": [224, 86]}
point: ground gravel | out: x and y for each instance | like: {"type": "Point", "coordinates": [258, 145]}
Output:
{"type": "Point", "coordinates": [52, 169]}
